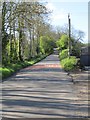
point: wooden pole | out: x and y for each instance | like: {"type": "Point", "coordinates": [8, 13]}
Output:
{"type": "Point", "coordinates": [69, 41]}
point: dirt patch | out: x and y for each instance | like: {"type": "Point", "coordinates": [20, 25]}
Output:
{"type": "Point", "coordinates": [80, 76]}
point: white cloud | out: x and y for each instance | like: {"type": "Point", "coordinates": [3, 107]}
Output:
{"type": "Point", "coordinates": [50, 6]}
{"type": "Point", "coordinates": [59, 15]}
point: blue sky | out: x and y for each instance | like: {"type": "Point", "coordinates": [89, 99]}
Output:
{"type": "Point", "coordinates": [78, 13]}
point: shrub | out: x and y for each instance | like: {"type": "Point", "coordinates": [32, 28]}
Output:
{"type": "Point", "coordinates": [69, 64]}
{"type": "Point", "coordinates": [63, 54]}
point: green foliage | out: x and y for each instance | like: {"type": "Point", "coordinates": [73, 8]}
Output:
{"type": "Point", "coordinates": [76, 48]}
{"type": "Point", "coordinates": [86, 44]}
{"type": "Point", "coordinates": [63, 54]}
{"type": "Point", "coordinates": [62, 43]}
{"type": "Point", "coordinates": [6, 72]}
{"type": "Point", "coordinates": [14, 51]}
{"type": "Point", "coordinates": [11, 68]}
{"type": "Point", "coordinates": [21, 33]}
{"type": "Point", "coordinates": [46, 44]}
{"type": "Point", "coordinates": [69, 63]}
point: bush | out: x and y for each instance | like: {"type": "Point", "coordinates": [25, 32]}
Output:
{"type": "Point", "coordinates": [63, 54]}
{"type": "Point", "coordinates": [69, 64]}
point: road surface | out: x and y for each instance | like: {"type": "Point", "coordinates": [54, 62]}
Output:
{"type": "Point", "coordinates": [44, 90]}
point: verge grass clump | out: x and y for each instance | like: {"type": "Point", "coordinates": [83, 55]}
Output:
{"type": "Point", "coordinates": [8, 70]}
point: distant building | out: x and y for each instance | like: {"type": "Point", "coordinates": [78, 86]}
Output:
{"type": "Point", "coordinates": [85, 56]}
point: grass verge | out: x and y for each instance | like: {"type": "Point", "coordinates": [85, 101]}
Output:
{"type": "Point", "coordinates": [12, 68]}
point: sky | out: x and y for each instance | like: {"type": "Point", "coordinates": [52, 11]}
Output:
{"type": "Point", "coordinates": [78, 13]}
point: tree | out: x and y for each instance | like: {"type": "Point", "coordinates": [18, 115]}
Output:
{"type": "Point", "coordinates": [62, 43]}
{"type": "Point", "coordinates": [78, 35]}
{"type": "Point", "coordinates": [20, 29]}
{"type": "Point", "coordinates": [4, 33]}
{"type": "Point", "coordinates": [46, 44]}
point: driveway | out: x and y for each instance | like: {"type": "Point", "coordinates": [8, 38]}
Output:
{"type": "Point", "coordinates": [44, 90]}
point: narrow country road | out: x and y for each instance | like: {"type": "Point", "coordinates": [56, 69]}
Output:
{"type": "Point", "coordinates": [44, 90]}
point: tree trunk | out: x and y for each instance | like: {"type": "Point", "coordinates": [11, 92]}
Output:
{"type": "Point", "coordinates": [30, 55]}
{"type": "Point", "coordinates": [20, 43]}
{"type": "Point", "coordinates": [3, 32]}
{"type": "Point", "coordinates": [10, 45]}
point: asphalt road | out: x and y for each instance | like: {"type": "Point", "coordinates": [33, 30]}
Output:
{"type": "Point", "coordinates": [44, 90]}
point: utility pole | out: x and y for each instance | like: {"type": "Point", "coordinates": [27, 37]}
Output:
{"type": "Point", "coordinates": [69, 32]}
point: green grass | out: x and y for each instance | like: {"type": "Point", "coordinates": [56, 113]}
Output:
{"type": "Point", "coordinates": [8, 70]}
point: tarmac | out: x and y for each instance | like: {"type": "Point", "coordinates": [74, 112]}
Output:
{"type": "Point", "coordinates": [45, 90]}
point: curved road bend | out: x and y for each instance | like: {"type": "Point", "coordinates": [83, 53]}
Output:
{"type": "Point", "coordinates": [44, 90]}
